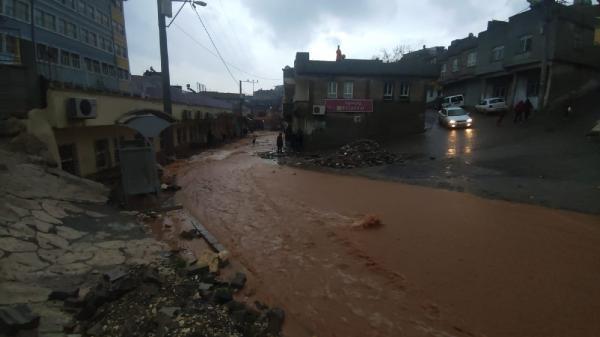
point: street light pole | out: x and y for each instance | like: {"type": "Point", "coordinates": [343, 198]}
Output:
{"type": "Point", "coordinates": [164, 67]}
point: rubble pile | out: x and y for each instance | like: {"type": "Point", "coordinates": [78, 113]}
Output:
{"type": "Point", "coordinates": [169, 300]}
{"type": "Point", "coordinates": [272, 154]}
{"type": "Point", "coordinates": [361, 153]}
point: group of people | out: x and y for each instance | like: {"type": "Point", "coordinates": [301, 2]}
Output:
{"type": "Point", "coordinates": [522, 111]}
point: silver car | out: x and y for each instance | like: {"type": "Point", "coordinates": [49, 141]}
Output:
{"type": "Point", "coordinates": [491, 105]}
{"type": "Point", "coordinates": [455, 117]}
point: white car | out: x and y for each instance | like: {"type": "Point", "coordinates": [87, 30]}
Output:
{"type": "Point", "coordinates": [491, 105]}
{"type": "Point", "coordinates": [455, 117]}
{"type": "Point", "coordinates": [456, 100]}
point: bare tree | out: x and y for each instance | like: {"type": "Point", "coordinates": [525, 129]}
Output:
{"type": "Point", "coordinates": [393, 55]}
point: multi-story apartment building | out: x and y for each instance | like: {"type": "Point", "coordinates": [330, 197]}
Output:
{"type": "Point", "coordinates": [330, 103]}
{"type": "Point", "coordinates": [79, 43]}
{"type": "Point", "coordinates": [542, 54]}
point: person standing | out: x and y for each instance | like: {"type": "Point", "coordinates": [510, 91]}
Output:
{"type": "Point", "coordinates": [528, 109]}
{"type": "Point", "coordinates": [519, 112]}
{"type": "Point", "coordinates": [279, 143]}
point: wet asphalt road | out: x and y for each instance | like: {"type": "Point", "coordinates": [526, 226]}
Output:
{"type": "Point", "coordinates": [533, 162]}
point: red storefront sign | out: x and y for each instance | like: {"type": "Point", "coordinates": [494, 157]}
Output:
{"type": "Point", "coordinates": [349, 105]}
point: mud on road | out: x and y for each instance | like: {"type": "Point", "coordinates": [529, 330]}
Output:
{"type": "Point", "coordinates": [443, 263]}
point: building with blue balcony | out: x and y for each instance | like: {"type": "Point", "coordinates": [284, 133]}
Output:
{"type": "Point", "coordinates": [77, 43]}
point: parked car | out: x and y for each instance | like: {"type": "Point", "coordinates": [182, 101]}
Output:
{"type": "Point", "coordinates": [491, 105]}
{"type": "Point", "coordinates": [455, 117]}
{"type": "Point", "coordinates": [456, 100]}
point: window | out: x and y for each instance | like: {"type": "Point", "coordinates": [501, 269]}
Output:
{"type": "Point", "coordinates": [111, 71]}
{"type": "Point", "coordinates": [105, 68]}
{"type": "Point", "coordinates": [71, 30]}
{"type": "Point", "coordinates": [444, 69]}
{"type": "Point", "coordinates": [104, 20]}
{"type": "Point", "coordinates": [96, 65]}
{"type": "Point", "coordinates": [62, 27]}
{"type": "Point", "coordinates": [52, 55]}
{"type": "Point", "coordinates": [94, 39]}
{"type": "Point", "coordinates": [85, 36]}
{"type": "Point", "coordinates": [42, 52]}
{"type": "Point", "coordinates": [65, 58]}
{"type": "Point", "coordinates": [388, 90]}
{"type": "Point", "coordinates": [472, 59]}
{"type": "Point", "coordinates": [89, 11]}
{"type": "Point", "coordinates": [455, 65]}
{"type": "Point", "coordinates": [332, 89]}
{"type": "Point", "coordinates": [404, 90]}
{"type": "Point", "coordinates": [49, 21]}
{"type": "Point", "coordinates": [525, 44]}
{"type": "Point", "coordinates": [9, 49]}
{"type": "Point", "coordinates": [68, 158]}
{"type": "Point", "coordinates": [75, 62]}
{"type": "Point", "coordinates": [81, 6]}
{"type": "Point", "coordinates": [88, 64]}
{"type": "Point", "coordinates": [21, 9]}
{"type": "Point", "coordinates": [498, 53]}
{"type": "Point", "coordinates": [348, 89]}
{"type": "Point", "coordinates": [500, 91]}
{"type": "Point", "coordinates": [102, 153]}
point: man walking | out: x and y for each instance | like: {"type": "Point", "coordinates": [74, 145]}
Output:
{"type": "Point", "coordinates": [279, 143]}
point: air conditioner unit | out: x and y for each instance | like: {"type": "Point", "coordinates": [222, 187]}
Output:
{"type": "Point", "coordinates": [186, 115]}
{"type": "Point", "coordinates": [81, 108]}
{"type": "Point", "coordinates": [318, 110]}
{"type": "Point", "coordinates": [357, 119]}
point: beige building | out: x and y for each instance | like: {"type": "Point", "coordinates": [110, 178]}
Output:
{"type": "Point", "coordinates": [85, 145]}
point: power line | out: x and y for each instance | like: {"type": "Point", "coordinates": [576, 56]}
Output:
{"type": "Point", "coordinates": [191, 37]}
{"type": "Point", "coordinates": [214, 45]}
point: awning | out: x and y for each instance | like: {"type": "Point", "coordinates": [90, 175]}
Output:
{"type": "Point", "coordinates": [149, 123]}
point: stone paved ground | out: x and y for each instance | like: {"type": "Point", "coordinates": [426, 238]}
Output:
{"type": "Point", "coordinates": [56, 232]}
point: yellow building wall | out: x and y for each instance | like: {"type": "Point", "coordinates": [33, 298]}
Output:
{"type": "Point", "coordinates": [53, 127]}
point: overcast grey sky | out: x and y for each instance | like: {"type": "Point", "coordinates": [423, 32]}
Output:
{"type": "Point", "coordinates": [260, 37]}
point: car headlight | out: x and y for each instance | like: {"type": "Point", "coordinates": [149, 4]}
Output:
{"type": "Point", "coordinates": [452, 122]}
{"type": "Point", "coordinates": [470, 120]}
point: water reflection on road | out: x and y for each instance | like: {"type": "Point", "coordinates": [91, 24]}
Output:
{"type": "Point", "coordinates": [460, 142]}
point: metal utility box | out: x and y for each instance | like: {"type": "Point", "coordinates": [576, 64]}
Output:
{"type": "Point", "coordinates": [138, 168]}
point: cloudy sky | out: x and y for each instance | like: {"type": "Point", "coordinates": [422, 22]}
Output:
{"type": "Point", "coordinates": [257, 38]}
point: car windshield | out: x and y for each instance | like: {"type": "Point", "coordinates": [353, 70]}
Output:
{"type": "Point", "coordinates": [456, 112]}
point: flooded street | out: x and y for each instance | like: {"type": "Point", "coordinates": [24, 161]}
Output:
{"type": "Point", "coordinates": [443, 263]}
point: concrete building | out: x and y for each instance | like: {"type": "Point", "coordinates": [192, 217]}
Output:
{"type": "Point", "coordinates": [84, 145]}
{"type": "Point", "coordinates": [542, 54]}
{"type": "Point", "coordinates": [329, 103]}
{"type": "Point", "coordinates": [80, 43]}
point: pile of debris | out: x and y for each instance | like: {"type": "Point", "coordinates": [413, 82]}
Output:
{"type": "Point", "coordinates": [361, 153]}
{"type": "Point", "coordinates": [168, 300]}
{"type": "Point", "coordinates": [272, 155]}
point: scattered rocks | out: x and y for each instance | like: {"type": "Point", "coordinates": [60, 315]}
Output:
{"type": "Point", "coordinates": [43, 216]}
{"type": "Point", "coordinates": [189, 234]}
{"type": "Point", "coordinates": [50, 241]}
{"type": "Point", "coordinates": [178, 305]}
{"type": "Point", "coordinates": [238, 281]}
{"type": "Point", "coordinates": [51, 207]}
{"type": "Point", "coordinates": [13, 245]}
{"type": "Point", "coordinates": [107, 257]}
{"type": "Point", "coordinates": [69, 233]}
{"type": "Point", "coordinates": [17, 318]}
{"type": "Point", "coordinates": [38, 224]}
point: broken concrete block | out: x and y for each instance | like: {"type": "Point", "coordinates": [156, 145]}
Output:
{"type": "Point", "coordinates": [17, 318]}
{"type": "Point", "coordinates": [238, 281]}
{"type": "Point", "coordinates": [63, 294]}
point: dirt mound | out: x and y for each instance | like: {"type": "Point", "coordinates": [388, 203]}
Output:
{"type": "Point", "coordinates": [361, 153]}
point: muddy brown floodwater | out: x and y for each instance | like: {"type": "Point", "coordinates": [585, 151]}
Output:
{"type": "Point", "coordinates": [443, 263]}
